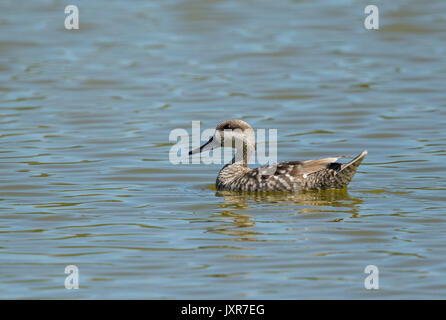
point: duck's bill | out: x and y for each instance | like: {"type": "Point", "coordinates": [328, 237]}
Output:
{"type": "Point", "coordinates": [211, 144]}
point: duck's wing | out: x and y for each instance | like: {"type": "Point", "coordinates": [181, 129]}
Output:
{"type": "Point", "coordinates": [304, 168]}
{"type": "Point", "coordinates": [311, 166]}
{"type": "Point", "coordinates": [284, 175]}
{"type": "Point", "coordinates": [297, 168]}
{"type": "Point", "coordinates": [311, 174]}
{"type": "Point", "coordinates": [328, 174]}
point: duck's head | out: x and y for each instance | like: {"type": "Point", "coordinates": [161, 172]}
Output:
{"type": "Point", "coordinates": [232, 134]}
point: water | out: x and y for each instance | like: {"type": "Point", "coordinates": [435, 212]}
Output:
{"type": "Point", "coordinates": [85, 177]}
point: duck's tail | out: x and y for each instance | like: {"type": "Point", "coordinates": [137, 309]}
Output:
{"type": "Point", "coordinates": [348, 170]}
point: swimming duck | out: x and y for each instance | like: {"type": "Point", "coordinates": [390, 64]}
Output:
{"type": "Point", "coordinates": [317, 174]}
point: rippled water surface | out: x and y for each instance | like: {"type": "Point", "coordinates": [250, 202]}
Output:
{"type": "Point", "coordinates": [85, 177]}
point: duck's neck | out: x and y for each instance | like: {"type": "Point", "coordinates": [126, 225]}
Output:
{"type": "Point", "coordinates": [236, 168]}
{"type": "Point", "coordinates": [243, 154]}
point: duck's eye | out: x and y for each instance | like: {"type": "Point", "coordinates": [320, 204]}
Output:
{"type": "Point", "coordinates": [228, 126]}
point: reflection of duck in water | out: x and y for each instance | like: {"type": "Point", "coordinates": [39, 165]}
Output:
{"type": "Point", "coordinates": [318, 174]}
{"type": "Point", "coordinates": [335, 205]}
{"type": "Point", "coordinates": [332, 198]}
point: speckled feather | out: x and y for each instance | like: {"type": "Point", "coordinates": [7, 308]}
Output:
{"type": "Point", "coordinates": [289, 176]}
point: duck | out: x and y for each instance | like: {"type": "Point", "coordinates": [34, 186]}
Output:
{"type": "Point", "coordinates": [319, 174]}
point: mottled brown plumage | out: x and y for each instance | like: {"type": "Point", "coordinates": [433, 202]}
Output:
{"type": "Point", "coordinates": [317, 174]}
